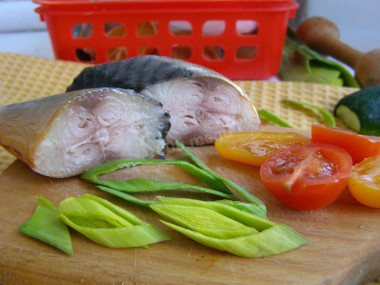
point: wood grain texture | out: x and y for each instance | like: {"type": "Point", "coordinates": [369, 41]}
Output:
{"type": "Point", "coordinates": [344, 238]}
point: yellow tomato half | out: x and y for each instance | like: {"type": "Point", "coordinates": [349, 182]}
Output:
{"type": "Point", "coordinates": [364, 183]}
{"type": "Point", "coordinates": [255, 147]}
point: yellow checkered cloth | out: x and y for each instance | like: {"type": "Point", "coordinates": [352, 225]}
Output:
{"type": "Point", "coordinates": [24, 78]}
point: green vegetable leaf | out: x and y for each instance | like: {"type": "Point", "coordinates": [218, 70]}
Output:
{"type": "Point", "coordinates": [107, 224]}
{"type": "Point", "coordinates": [300, 63]}
{"type": "Point", "coordinates": [240, 190]}
{"type": "Point", "coordinates": [122, 188]}
{"type": "Point", "coordinates": [218, 205]}
{"type": "Point", "coordinates": [126, 196]}
{"type": "Point", "coordinates": [273, 118]}
{"type": "Point", "coordinates": [275, 240]}
{"type": "Point", "coordinates": [47, 227]}
{"type": "Point", "coordinates": [143, 185]}
{"type": "Point", "coordinates": [327, 116]}
{"type": "Point", "coordinates": [140, 185]}
{"type": "Point", "coordinates": [203, 220]}
{"type": "Point", "coordinates": [227, 228]}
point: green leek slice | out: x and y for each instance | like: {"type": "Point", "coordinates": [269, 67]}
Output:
{"type": "Point", "coordinates": [204, 221]}
{"type": "Point", "coordinates": [122, 188]}
{"type": "Point", "coordinates": [275, 240]}
{"type": "Point", "coordinates": [107, 224]}
{"type": "Point", "coordinates": [45, 225]}
{"type": "Point", "coordinates": [240, 190]}
{"type": "Point", "coordinates": [138, 185]}
{"type": "Point", "coordinates": [273, 118]}
{"type": "Point", "coordinates": [228, 208]}
{"type": "Point", "coordinates": [248, 236]}
{"type": "Point", "coordinates": [242, 206]}
{"type": "Point", "coordinates": [126, 196]}
{"type": "Point", "coordinates": [327, 116]}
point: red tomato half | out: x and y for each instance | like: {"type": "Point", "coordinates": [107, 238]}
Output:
{"type": "Point", "coordinates": [307, 177]}
{"type": "Point", "coordinates": [358, 146]}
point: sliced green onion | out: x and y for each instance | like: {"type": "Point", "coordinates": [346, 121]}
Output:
{"type": "Point", "coordinates": [327, 116]}
{"type": "Point", "coordinates": [240, 190]}
{"type": "Point", "coordinates": [217, 183]}
{"type": "Point", "coordinates": [204, 221]}
{"type": "Point", "coordinates": [273, 118]}
{"type": "Point", "coordinates": [107, 224]}
{"type": "Point", "coordinates": [242, 206]}
{"type": "Point", "coordinates": [45, 225]}
{"type": "Point", "coordinates": [226, 228]}
{"type": "Point", "coordinates": [143, 185]}
{"type": "Point", "coordinates": [217, 205]}
{"type": "Point", "coordinates": [126, 196]}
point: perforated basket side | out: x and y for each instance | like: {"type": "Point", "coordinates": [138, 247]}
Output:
{"type": "Point", "coordinates": [234, 52]}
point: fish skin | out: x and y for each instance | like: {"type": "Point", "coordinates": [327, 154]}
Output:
{"type": "Point", "coordinates": [146, 75]}
{"type": "Point", "coordinates": [137, 73]}
{"type": "Point", "coordinates": [49, 133]}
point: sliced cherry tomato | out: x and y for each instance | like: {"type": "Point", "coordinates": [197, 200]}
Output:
{"type": "Point", "coordinates": [364, 183]}
{"type": "Point", "coordinates": [358, 146]}
{"type": "Point", "coordinates": [255, 147]}
{"type": "Point", "coordinates": [307, 177]}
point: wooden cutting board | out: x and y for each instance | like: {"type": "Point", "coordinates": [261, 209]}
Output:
{"type": "Point", "coordinates": [344, 238]}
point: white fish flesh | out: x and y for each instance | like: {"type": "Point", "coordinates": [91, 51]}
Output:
{"type": "Point", "coordinates": [64, 135]}
{"type": "Point", "coordinates": [202, 103]}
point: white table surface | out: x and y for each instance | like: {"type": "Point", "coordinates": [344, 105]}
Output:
{"type": "Point", "coordinates": [21, 30]}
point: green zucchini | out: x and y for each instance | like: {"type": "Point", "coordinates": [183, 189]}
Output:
{"type": "Point", "coordinates": [360, 111]}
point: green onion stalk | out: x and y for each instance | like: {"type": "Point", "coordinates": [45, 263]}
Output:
{"type": "Point", "coordinates": [218, 185]}
{"type": "Point", "coordinates": [226, 228]}
{"type": "Point", "coordinates": [108, 224]}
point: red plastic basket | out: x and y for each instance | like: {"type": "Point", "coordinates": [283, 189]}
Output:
{"type": "Point", "coordinates": [242, 39]}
